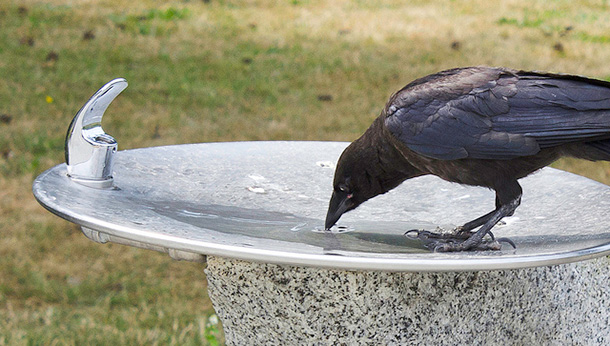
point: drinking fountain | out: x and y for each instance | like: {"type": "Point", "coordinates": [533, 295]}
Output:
{"type": "Point", "coordinates": [253, 212]}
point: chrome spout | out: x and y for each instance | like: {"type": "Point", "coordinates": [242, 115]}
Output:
{"type": "Point", "coordinates": [89, 150]}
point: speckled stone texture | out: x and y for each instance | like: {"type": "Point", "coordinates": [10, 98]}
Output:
{"type": "Point", "coordinates": [268, 304]}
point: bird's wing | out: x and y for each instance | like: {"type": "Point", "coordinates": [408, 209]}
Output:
{"type": "Point", "coordinates": [557, 109]}
{"type": "Point", "coordinates": [498, 114]}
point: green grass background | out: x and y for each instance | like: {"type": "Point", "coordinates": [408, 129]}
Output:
{"type": "Point", "coordinates": [202, 71]}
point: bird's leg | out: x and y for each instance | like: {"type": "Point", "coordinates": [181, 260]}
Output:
{"type": "Point", "coordinates": [466, 228]}
{"type": "Point", "coordinates": [475, 241]}
{"type": "Point", "coordinates": [469, 226]}
{"type": "Point", "coordinates": [508, 198]}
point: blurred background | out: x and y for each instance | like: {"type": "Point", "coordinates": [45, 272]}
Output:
{"type": "Point", "coordinates": [211, 70]}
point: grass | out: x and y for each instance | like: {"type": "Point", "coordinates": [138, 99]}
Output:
{"type": "Point", "coordinates": [204, 71]}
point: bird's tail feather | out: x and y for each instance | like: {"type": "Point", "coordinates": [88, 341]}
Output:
{"type": "Point", "coordinates": [601, 150]}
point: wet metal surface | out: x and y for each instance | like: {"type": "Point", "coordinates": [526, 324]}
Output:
{"type": "Point", "coordinates": [265, 201]}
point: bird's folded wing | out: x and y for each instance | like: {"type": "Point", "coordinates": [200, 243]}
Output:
{"type": "Point", "coordinates": [515, 114]}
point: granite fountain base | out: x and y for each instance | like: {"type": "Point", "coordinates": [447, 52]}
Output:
{"type": "Point", "coordinates": [269, 304]}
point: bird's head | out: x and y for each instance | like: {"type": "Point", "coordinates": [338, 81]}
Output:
{"type": "Point", "coordinates": [368, 167]}
{"type": "Point", "coordinates": [353, 184]}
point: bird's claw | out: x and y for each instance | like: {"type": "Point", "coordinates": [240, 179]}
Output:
{"type": "Point", "coordinates": [507, 240]}
{"type": "Point", "coordinates": [456, 241]}
{"type": "Point", "coordinates": [456, 234]}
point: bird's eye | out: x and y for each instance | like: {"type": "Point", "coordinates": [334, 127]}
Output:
{"type": "Point", "coordinates": [343, 188]}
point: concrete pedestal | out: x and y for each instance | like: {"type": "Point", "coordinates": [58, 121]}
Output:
{"type": "Point", "coordinates": [268, 304]}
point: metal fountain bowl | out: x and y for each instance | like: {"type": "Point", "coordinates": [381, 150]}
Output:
{"type": "Point", "coordinates": [265, 202]}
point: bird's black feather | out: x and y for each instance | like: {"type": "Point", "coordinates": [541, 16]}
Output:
{"type": "Point", "coordinates": [494, 113]}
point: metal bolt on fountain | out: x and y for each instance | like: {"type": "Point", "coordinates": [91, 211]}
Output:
{"type": "Point", "coordinates": [255, 210]}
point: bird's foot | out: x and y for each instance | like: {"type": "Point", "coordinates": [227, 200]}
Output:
{"type": "Point", "coordinates": [457, 240]}
{"type": "Point", "coordinates": [456, 246]}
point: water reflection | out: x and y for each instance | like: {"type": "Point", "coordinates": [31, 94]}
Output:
{"type": "Point", "coordinates": [288, 232]}
{"type": "Point", "coordinates": [365, 236]}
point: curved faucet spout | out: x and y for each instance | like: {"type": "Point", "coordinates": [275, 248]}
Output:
{"type": "Point", "coordinates": [89, 150]}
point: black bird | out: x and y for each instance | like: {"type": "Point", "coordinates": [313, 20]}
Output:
{"type": "Point", "coordinates": [478, 126]}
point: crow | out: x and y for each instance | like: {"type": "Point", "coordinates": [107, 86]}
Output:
{"type": "Point", "coordinates": [479, 126]}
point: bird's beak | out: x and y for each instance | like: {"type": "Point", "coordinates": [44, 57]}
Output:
{"type": "Point", "coordinates": [339, 204]}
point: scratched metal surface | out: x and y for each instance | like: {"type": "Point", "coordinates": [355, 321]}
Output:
{"type": "Point", "coordinates": [266, 201]}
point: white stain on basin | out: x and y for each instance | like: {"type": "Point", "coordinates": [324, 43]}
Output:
{"type": "Point", "coordinates": [256, 189]}
{"type": "Point", "coordinates": [298, 227]}
{"type": "Point", "coordinates": [256, 177]}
